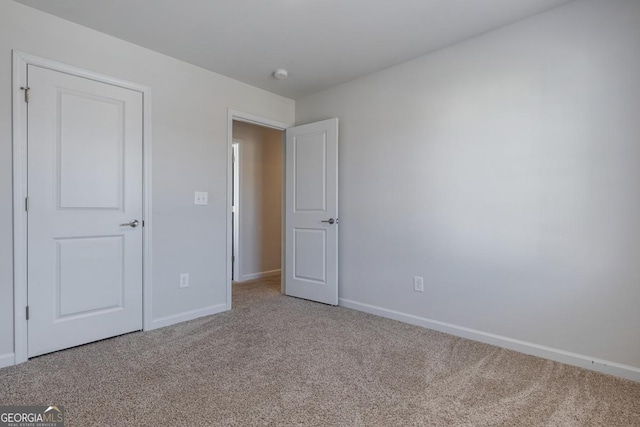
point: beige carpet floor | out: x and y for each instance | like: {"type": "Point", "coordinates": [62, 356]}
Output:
{"type": "Point", "coordinates": [281, 361]}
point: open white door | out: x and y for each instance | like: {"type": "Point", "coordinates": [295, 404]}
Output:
{"type": "Point", "coordinates": [311, 218]}
{"type": "Point", "coordinates": [85, 210]}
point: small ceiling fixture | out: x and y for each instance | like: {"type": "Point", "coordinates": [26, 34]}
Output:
{"type": "Point", "coordinates": [281, 74]}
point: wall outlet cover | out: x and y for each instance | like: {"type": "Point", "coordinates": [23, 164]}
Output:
{"type": "Point", "coordinates": [418, 284]}
{"type": "Point", "coordinates": [184, 280]}
{"type": "Point", "coordinates": [201, 198]}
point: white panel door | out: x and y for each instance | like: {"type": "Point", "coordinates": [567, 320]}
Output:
{"type": "Point", "coordinates": [84, 182]}
{"type": "Point", "coordinates": [311, 221]}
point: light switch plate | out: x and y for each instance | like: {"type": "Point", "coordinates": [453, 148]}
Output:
{"type": "Point", "coordinates": [201, 198]}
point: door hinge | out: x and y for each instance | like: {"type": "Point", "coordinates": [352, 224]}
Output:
{"type": "Point", "coordinates": [233, 258]}
{"type": "Point", "coordinates": [26, 204]}
{"type": "Point", "coordinates": [27, 93]}
{"type": "Point", "coordinates": [27, 312]}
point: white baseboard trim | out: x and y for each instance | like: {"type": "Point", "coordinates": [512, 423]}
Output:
{"type": "Point", "coordinates": [593, 364]}
{"type": "Point", "coordinates": [8, 359]}
{"type": "Point", "coordinates": [260, 275]}
{"type": "Point", "coordinates": [189, 315]}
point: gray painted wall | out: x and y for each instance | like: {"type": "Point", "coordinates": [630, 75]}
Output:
{"type": "Point", "coordinates": [504, 170]}
{"type": "Point", "coordinates": [189, 107]}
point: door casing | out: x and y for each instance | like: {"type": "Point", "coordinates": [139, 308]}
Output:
{"type": "Point", "coordinates": [237, 260]}
{"type": "Point", "coordinates": [20, 285]}
{"type": "Point", "coordinates": [260, 121]}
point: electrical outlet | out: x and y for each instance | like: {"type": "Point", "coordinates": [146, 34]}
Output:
{"type": "Point", "coordinates": [201, 198]}
{"type": "Point", "coordinates": [418, 284]}
{"type": "Point", "coordinates": [184, 280]}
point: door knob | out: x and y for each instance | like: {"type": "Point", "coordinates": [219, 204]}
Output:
{"type": "Point", "coordinates": [330, 221]}
{"type": "Point", "coordinates": [133, 223]}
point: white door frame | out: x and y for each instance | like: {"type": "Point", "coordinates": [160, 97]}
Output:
{"type": "Point", "coordinates": [20, 62]}
{"type": "Point", "coordinates": [237, 262]}
{"type": "Point", "coordinates": [260, 121]}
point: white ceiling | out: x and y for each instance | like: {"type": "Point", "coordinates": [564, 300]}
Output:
{"type": "Point", "coordinates": [321, 43]}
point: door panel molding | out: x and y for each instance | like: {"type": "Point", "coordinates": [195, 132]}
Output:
{"type": "Point", "coordinates": [19, 80]}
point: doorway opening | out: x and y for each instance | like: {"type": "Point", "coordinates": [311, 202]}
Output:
{"type": "Point", "coordinates": [308, 210]}
{"type": "Point", "coordinates": [257, 196]}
